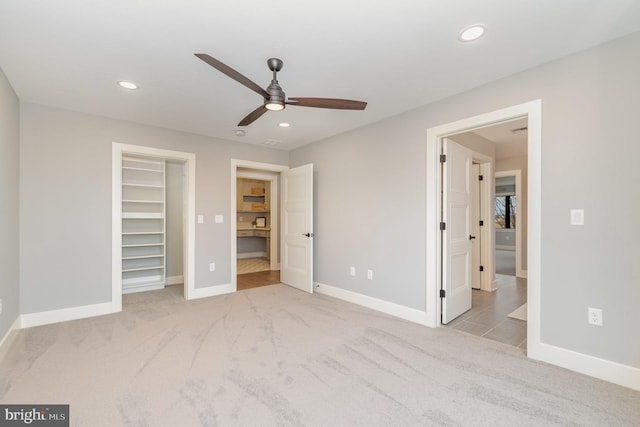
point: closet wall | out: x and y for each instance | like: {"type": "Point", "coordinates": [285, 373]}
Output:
{"type": "Point", "coordinates": [175, 222]}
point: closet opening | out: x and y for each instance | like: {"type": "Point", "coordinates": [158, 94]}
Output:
{"type": "Point", "coordinates": [153, 227]}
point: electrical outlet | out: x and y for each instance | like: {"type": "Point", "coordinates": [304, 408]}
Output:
{"type": "Point", "coordinates": [212, 266]}
{"type": "Point", "coordinates": [0, 305]}
{"type": "Point", "coordinates": [352, 271]}
{"type": "Point", "coordinates": [370, 274]}
{"type": "Point", "coordinates": [594, 316]}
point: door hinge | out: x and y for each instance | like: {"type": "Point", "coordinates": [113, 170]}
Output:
{"type": "Point", "coordinates": [481, 223]}
{"type": "Point", "coordinates": [442, 293]}
{"type": "Point", "coordinates": [481, 268]}
{"type": "Point", "coordinates": [480, 177]}
{"type": "Point", "coordinates": [443, 158]}
{"type": "Point", "coordinates": [443, 226]}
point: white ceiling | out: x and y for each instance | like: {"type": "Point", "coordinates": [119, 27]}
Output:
{"type": "Point", "coordinates": [395, 55]}
{"type": "Point", "coordinates": [508, 143]}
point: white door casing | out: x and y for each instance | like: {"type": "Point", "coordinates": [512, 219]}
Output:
{"type": "Point", "coordinates": [296, 263]}
{"type": "Point", "coordinates": [457, 247]}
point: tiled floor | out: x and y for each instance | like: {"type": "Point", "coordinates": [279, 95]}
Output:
{"type": "Point", "coordinates": [488, 315]}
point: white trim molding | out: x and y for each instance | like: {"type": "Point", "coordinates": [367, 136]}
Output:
{"type": "Point", "coordinates": [617, 373]}
{"type": "Point", "coordinates": [397, 310]}
{"type": "Point", "coordinates": [66, 314]}
{"type": "Point", "coordinates": [8, 338]}
{"type": "Point", "coordinates": [212, 291]}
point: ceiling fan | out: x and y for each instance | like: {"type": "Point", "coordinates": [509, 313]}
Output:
{"type": "Point", "coordinates": [274, 97]}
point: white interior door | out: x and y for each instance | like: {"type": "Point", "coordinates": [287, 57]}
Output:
{"type": "Point", "coordinates": [297, 228]}
{"type": "Point", "coordinates": [476, 243]}
{"type": "Point", "coordinates": [457, 247]}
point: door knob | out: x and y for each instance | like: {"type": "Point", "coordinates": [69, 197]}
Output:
{"type": "Point", "coordinates": [308, 234]}
{"type": "Point", "coordinates": [471, 237]}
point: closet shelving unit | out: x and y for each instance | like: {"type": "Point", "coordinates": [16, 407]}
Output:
{"type": "Point", "coordinates": [143, 224]}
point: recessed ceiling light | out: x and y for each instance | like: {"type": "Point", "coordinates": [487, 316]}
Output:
{"type": "Point", "coordinates": [284, 125]}
{"type": "Point", "coordinates": [128, 85]}
{"type": "Point", "coordinates": [472, 33]}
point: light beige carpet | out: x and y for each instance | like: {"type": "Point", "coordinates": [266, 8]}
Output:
{"type": "Point", "coordinates": [275, 356]}
{"type": "Point", "coordinates": [519, 313]}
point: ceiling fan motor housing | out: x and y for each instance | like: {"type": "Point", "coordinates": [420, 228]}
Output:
{"type": "Point", "coordinates": [276, 94]}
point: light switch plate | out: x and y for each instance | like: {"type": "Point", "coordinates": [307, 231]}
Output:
{"type": "Point", "coordinates": [200, 219]}
{"type": "Point", "coordinates": [219, 219]}
{"type": "Point", "coordinates": [577, 216]}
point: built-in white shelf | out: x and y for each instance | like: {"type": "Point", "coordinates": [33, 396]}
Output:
{"type": "Point", "coordinates": [142, 215]}
{"type": "Point", "coordinates": [143, 224]}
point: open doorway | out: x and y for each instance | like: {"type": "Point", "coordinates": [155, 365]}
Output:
{"type": "Point", "coordinates": [499, 314]}
{"type": "Point", "coordinates": [257, 228]}
{"type": "Point", "coordinates": [140, 236]}
{"type": "Point", "coordinates": [255, 224]}
{"type": "Point", "coordinates": [436, 250]}
{"type": "Point", "coordinates": [294, 213]}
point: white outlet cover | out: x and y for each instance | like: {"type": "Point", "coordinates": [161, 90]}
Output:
{"type": "Point", "coordinates": [594, 316]}
{"type": "Point", "coordinates": [219, 219]}
{"type": "Point", "coordinates": [577, 216]}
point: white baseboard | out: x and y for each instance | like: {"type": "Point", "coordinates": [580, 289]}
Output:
{"type": "Point", "coordinates": [8, 338]}
{"type": "Point", "coordinates": [617, 373]}
{"type": "Point", "coordinates": [246, 255]}
{"type": "Point", "coordinates": [175, 280]}
{"type": "Point", "coordinates": [211, 291]}
{"type": "Point", "coordinates": [397, 310]}
{"type": "Point", "coordinates": [65, 314]}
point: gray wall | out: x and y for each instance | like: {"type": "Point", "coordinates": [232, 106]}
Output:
{"type": "Point", "coordinates": [9, 204]}
{"type": "Point", "coordinates": [370, 186]}
{"type": "Point", "coordinates": [174, 206]}
{"type": "Point", "coordinates": [66, 202]}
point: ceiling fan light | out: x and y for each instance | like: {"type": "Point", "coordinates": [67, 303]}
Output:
{"type": "Point", "coordinates": [274, 105]}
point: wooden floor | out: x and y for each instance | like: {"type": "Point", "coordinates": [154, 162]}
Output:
{"type": "Point", "coordinates": [255, 280]}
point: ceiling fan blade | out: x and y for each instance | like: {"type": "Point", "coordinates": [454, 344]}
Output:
{"type": "Point", "coordinates": [253, 116]}
{"type": "Point", "coordinates": [225, 69]}
{"type": "Point", "coordinates": [338, 104]}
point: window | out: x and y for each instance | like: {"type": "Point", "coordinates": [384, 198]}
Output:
{"type": "Point", "coordinates": [505, 216]}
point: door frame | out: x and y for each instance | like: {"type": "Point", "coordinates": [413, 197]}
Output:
{"type": "Point", "coordinates": [533, 111]}
{"type": "Point", "coordinates": [188, 215]}
{"type": "Point", "coordinates": [257, 167]}
{"type": "Point", "coordinates": [518, 178]}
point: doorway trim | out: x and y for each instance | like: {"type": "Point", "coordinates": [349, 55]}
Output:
{"type": "Point", "coordinates": [518, 178]}
{"type": "Point", "coordinates": [257, 168]}
{"type": "Point", "coordinates": [188, 235]}
{"type": "Point", "coordinates": [533, 111]}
